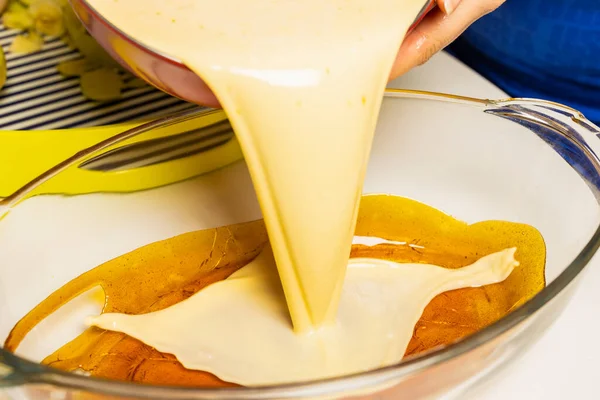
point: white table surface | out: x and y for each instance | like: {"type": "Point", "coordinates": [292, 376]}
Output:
{"type": "Point", "coordinates": [564, 363]}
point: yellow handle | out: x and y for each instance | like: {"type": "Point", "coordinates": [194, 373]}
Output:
{"type": "Point", "coordinates": [25, 155]}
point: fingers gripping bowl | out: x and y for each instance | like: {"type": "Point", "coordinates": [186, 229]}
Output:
{"type": "Point", "coordinates": [516, 160]}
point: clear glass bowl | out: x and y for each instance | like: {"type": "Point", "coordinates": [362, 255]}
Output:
{"type": "Point", "coordinates": [519, 160]}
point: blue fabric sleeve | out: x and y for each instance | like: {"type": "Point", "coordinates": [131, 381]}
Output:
{"type": "Point", "coordinates": [547, 49]}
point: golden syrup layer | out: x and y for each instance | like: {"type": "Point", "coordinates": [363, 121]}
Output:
{"type": "Point", "coordinates": [161, 274]}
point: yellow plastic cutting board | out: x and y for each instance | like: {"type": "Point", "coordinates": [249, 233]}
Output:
{"type": "Point", "coordinates": [27, 154]}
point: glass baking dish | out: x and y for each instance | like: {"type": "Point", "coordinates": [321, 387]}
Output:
{"type": "Point", "coordinates": [519, 160]}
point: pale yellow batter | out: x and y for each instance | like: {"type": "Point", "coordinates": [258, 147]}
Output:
{"type": "Point", "coordinates": [239, 329]}
{"type": "Point", "coordinates": [302, 82]}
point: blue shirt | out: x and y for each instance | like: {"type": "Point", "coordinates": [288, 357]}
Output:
{"type": "Point", "coordinates": [547, 49]}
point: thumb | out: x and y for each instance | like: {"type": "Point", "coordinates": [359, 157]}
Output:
{"type": "Point", "coordinates": [440, 27]}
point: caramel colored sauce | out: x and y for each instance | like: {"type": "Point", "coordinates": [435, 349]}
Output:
{"type": "Point", "coordinates": [164, 273]}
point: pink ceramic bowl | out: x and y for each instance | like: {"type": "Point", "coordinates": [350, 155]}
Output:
{"type": "Point", "coordinates": [160, 70]}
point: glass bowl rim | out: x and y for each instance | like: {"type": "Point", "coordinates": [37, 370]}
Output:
{"type": "Point", "coordinates": [28, 372]}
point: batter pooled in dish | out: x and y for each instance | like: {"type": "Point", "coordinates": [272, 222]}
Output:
{"type": "Point", "coordinates": [239, 329]}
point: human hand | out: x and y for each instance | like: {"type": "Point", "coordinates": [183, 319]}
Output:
{"type": "Point", "coordinates": [438, 29]}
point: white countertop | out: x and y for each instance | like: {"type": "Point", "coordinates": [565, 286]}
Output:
{"type": "Point", "coordinates": [563, 364]}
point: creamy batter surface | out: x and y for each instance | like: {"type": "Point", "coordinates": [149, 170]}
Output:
{"type": "Point", "coordinates": [302, 83]}
{"type": "Point", "coordinates": [239, 330]}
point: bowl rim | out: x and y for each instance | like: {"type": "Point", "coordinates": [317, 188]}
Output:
{"type": "Point", "coordinates": [22, 371]}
